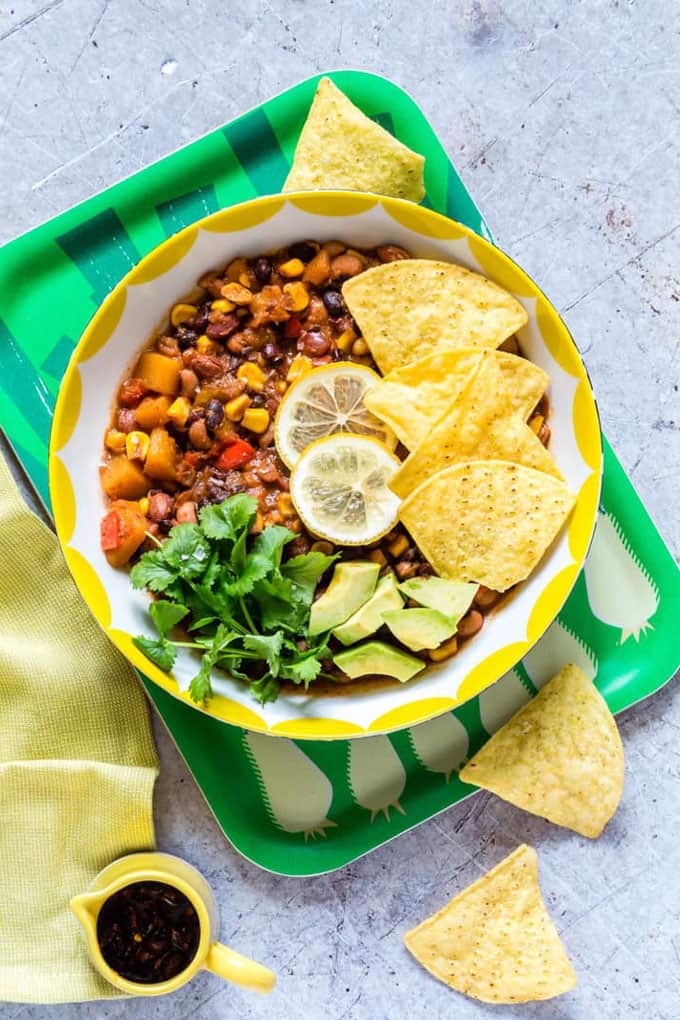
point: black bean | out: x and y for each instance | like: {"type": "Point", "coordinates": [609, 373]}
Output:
{"type": "Point", "coordinates": [303, 250]}
{"type": "Point", "coordinates": [186, 337]}
{"type": "Point", "coordinates": [335, 305]}
{"type": "Point", "coordinates": [273, 353]}
{"type": "Point", "coordinates": [214, 414]}
{"type": "Point", "coordinates": [263, 270]}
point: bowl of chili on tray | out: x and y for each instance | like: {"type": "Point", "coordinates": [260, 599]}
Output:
{"type": "Point", "coordinates": [325, 464]}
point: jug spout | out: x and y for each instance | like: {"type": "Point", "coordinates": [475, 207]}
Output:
{"type": "Point", "coordinates": [86, 908]}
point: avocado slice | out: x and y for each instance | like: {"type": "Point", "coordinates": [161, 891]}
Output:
{"type": "Point", "coordinates": [420, 628]}
{"type": "Point", "coordinates": [352, 584]}
{"type": "Point", "coordinates": [368, 617]}
{"type": "Point", "coordinates": [452, 598]}
{"type": "Point", "coordinates": [379, 658]}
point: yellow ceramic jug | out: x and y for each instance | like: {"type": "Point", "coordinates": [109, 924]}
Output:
{"type": "Point", "coordinates": [210, 954]}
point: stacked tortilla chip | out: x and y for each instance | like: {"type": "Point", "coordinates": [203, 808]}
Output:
{"type": "Point", "coordinates": [482, 496]}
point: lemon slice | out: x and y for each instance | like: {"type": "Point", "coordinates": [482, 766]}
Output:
{"type": "Point", "coordinates": [339, 488]}
{"type": "Point", "coordinates": [327, 400]}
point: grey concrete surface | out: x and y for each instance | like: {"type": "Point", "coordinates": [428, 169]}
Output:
{"type": "Point", "coordinates": [564, 120]}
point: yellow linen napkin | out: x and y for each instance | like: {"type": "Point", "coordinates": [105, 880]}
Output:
{"type": "Point", "coordinates": [77, 762]}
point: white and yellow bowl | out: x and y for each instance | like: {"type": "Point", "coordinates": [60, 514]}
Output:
{"type": "Point", "coordinates": [125, 321]}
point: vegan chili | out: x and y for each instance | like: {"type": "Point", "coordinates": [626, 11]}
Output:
{"type": "Point", "coordinates": [194, 422]}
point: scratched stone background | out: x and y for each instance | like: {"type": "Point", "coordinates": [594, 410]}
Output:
{"type": "Point", "coordinates": [564, 121]}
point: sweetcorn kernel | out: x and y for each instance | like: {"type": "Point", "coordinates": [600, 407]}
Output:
{"type": "Point", "coordinates": [204, 345]}
{"type": "Point", "coordinates": [327, 548]}
{"type": "Point", "coordinates": [377, 556]}
{"type": "Point", "coordinates": [345, 340]}
{"type": "Point", "coordinates": [291, 268]}
{"type": "Point", "coordinates": [284, 504]}
{"type": "Point", "coordinates": [235, 268]}
{"type": "Point", "coordinates": [115, 441]}
{"type": "Point", "coordinates": [252, 375]}
{"type": "Point", "coordinates": [144, 505]}
{"type": "Point", "coordinates": [256, 419]}
{"type": "Point", "coordinates": [298, 294]}
{"type": "Point", "coordinates": [536, 423]}
{"type": "Point", "coordinates": [236, 408]}
{"type": "Point", "coordinates": [136, 445]}
{"type": "Point", "coordinates": [237, 293]}
{"type": "Point", "coordinates": [181, 312]}
{"type": "Point", "coordinates": [222, 305]}
{"type": "Point", "coordinates": [299, 366]}
{"type": "Point", "coordinates": [179, 411]}
{"type": "Point", "coordinates": [445, 650]}
{"type": "Point", "coordinates": [281, 386]}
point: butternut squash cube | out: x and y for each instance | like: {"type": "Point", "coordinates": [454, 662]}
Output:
{"type": "Point", "coordinates": [159, 373]}
{"type": "Point", "coordinates": [124, 479]}
{"type": "Point", "coordinates": [160, 460]}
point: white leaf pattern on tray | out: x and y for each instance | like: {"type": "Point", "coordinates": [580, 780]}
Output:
{"type": "Point", "coordinates": [296, 793]}
{"type": "Point", "coordinates": [376, 775]}
{"type": "Point", "coordinates": [440, 745]}
{"type": "Point", "coordinates": [499, 702]}
{"type": "Point", "coordinates": [620, 591]}
{"type": "Point", "coordinates": [558, 646]}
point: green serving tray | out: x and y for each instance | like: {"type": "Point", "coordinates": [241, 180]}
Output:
{"type": "Point", "coordinates": [303, 809]}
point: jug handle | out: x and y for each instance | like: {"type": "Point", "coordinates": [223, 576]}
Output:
{"type": "Point", "coordinates": [232, 966]}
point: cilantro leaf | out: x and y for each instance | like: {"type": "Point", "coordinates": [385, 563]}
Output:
{"type": "Point", "coordinates": [280, 605]}
{"type": "Point", "coordinates": [161, 651]}
{"type": "Point", "coordinates": [200, 688]}
{"type": "Point", "coordinates": [153, 572]}
{"type": "Point", "coordinates": [268, 646]}
{"type": "Point", "coordinates": [230, 519]}
{"type": "Point", "coordinates": [186, 550]}
{"type": "Point", "coordinates": [305, 570]}
{"type": "Point", "coordinates": [166, 614]}
{"type": "Point", "coordinates": [268, 546]}
{"type": "Point", "coordinates": [303, 671]}
{"type": "Point", "coordinates": [265, 689]}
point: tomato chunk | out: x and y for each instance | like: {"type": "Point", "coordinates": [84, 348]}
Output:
{"type": "Point", "coordinates": [123, 529]}
{"type": "Point", "coordinates": [292, 328]}
{"type": "Point", "coordinates": [111, 531]}
{"type": "Point", "coordinates": [235, 453]}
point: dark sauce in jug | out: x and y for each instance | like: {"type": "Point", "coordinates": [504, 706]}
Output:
{"type": "Point", "coordinates": [148, 932]}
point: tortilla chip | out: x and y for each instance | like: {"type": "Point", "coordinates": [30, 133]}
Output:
{"type": "Point", "coordinates": [341, 148]}
{"type": "Point", "coordinates": [560, 757]}
{"type": "Point", "coordinates": [481, 424]}
{"type": "Point", "coordinates": [486, 521]}
{"type": "Point", "coordinates": [413, 398]}
{"type": "Point", "coordinates": [413, 307]}
{"type": "Point", "coordinates": [495, 941]}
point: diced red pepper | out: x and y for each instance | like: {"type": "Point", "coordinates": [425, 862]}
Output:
{"type": "Point", "coordinates": [293, 328]}
{"type": "Point", "coordinates": [111, 531]}
{"type": "Point", "coordinates": [236, 453]}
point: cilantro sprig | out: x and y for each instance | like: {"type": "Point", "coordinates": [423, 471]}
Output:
{"type": "Point", "coordinates": [244, 608]}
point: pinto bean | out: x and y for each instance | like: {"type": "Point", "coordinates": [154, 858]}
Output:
{"type": "Point", "coordinates": [189, 382]}
{"type": "Point", "coordinates": [207, 367]}
{"type": "Point", "coordinates": [198, 435]}
{"type": "Point", "coordinates": [486, 597]}
{"type": "Point", "coordinates": [186, 513]}
{"type": "Point", "coordinates": [470, 624]}
{"type": "Point", "coordinates": [346, 265]}
{"type": "Point", "coordinates": [161, 506]}
{"type": "Point", "coordinates": [314, 344]}
{"type": "Point", "coordinates": [391, 253]}
{"type": "Point", "coordinates": [126, 420]}
{"type": "Point", "coordinates": [405, 569]}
